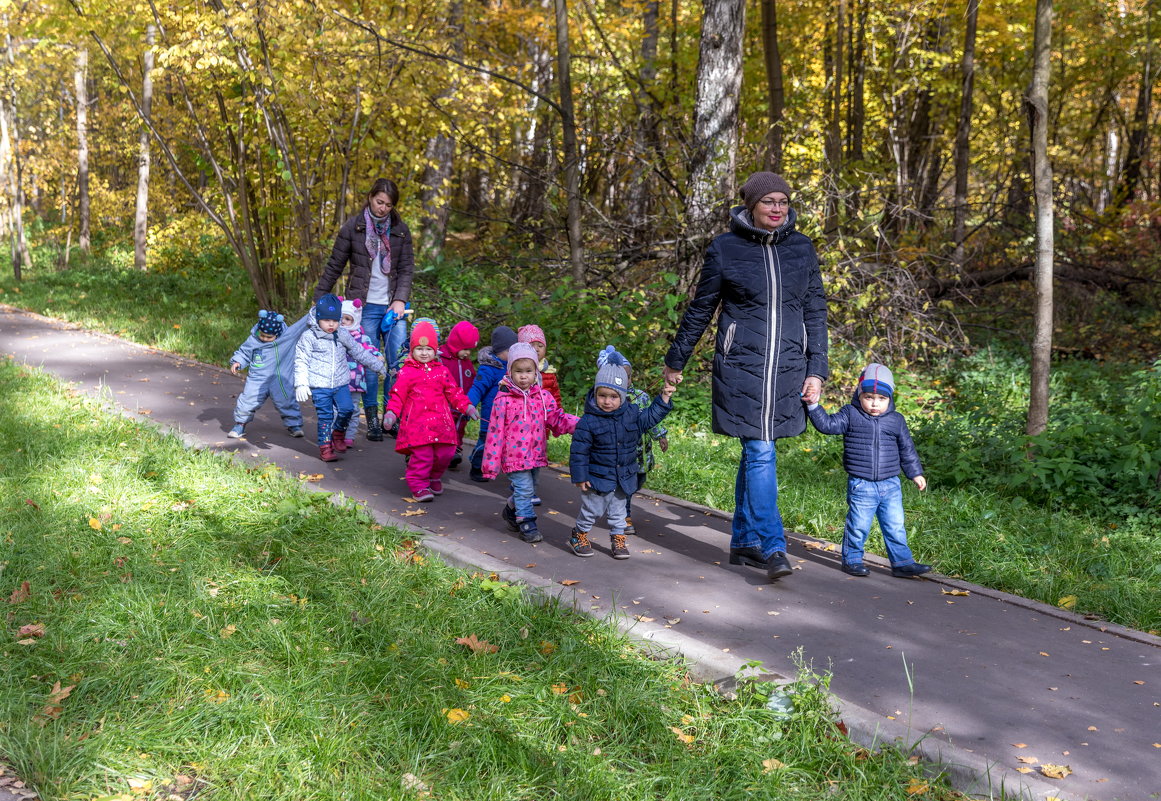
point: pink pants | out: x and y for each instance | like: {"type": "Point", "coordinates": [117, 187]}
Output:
{"type": "Point", "coordinates": [427, 465]}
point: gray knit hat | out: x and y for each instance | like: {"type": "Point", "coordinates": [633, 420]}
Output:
{"type": "Point", "coordinates": [760, 184]}
{"type": "Point", "coordinates": [877, 380]}
{"type": "Point", "coordinates": [614, 377]}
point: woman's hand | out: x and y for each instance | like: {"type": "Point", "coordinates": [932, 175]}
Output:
{"type": "Point", "coordinates": [398, 307]}
{"type": "Point", "coordinates": [671, 376]}
{"type": "Point", "coordinates": [812, 389]}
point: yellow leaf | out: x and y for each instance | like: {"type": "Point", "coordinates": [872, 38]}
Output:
{"type": "Point", "coordinates": [457, 715]}
{"type": "Point", "coordinates": [463, 685]}
{"type": "Point", "coordinates": [1055, 771]}
{"type": "Point", "coordinates": [413, 513]}
{"type": "Point", "coordinates": [917, 787]}
{"type": "Point", "coordinates": [955, 592]}
{"type": "Point", "coordinates": [1044, 653]}
{"type": "Point", "coordinates": [771, 764]}
{"type": "Point", "coordinates": [546, 647]}
{"type": "Point", "coordinates": [1024, 770]}
{"type": "Point", "coordinates": [505, 699]}
{"type": "Point", "coordinates": [685, 738]}
{"type": "Point", "coordinates": [228, 631]}
{"type": "Point", "coordinates": [560, 689]}
{"type": "Point", "coordinates": [1067, 602]}
{"type": "Point", "coordinates": [94, 524]}
{"type": "Point", "coordinates": [1027, 760]}
{"type": "Point", "coordinates": [570, 582]}
{"type": "Point", "coordinates": [311, 476]}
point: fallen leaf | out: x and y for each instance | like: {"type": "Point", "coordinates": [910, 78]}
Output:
{"type": "Point", "coordinates": [228, 631]}
{"type": "Point", "coordinates": [559, 688]}
{"type": "Point", "coordinates": [32, 630]}
{"type": "Point", "coordinates": [955, 592]}
{"type": "Point", "coordinates": [457, 715]}
{"type": "Point", "coordinates": [21, 593]}
{"type": "Point", "coordinates": [771, 764]}
{"type": "Point", "coordinates": [570, 582]}
{"type": "Point", "coordinates": [1025, 770]}
{"type": "Point", "coordinates": [1093, 728]}
{"type": "Point", "coordinates": [94, 524]}
{"type": "Point", "coordinates": [530, 565]}
{"type": "Point", "coordinates": [463, 685]}
{"type": "Point", "coordinates": [32, 503]}
{"type": "Point", "coordinates": [29, 641]}
{"type": "Point", "coordinates": [311, 476]}
{"type": "Point", "coordinates": [1067, 602]}
{"type": "Point", "coordinates": [644, 619]}
{"type": "Point", "coordinates": [504, 699]}
{"type": "Point", "coordinates": [546, 647]}
{"type": "Point", "coordinates": [124, 540]}
{"type": "Point", "coordinates": [1044, 653]}
{"type": "Point", "coordinates": [413, 513]}
{"type": "Point", "coordinates": [413, 782]}
{"type": "Point", "coordinates": [1055, 771]}
{"type": "Point", "coordinates": [1019, 745]}
{"type": "Point", "coordinates": [685, 738]}
{"type": "Point", "coordinates": [1027, 760]}
{"type": "Point", "coordinates": [477, 646]}
{"type": "Point", "coordinates": [1138, 682]}
{"type": "Point", "coordinates": [917, 786]}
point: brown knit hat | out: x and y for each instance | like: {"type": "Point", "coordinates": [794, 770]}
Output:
{"type": "Point", "coordinates": [760, 184]}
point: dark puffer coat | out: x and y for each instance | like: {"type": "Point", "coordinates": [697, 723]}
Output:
{"type": "Point", "coordinates": [771, 330]}
{"type": "Point", "coordinates": [604, 444]}
{"type": "Point", "coordinates": [351, 247]}
{"type": "Point", "coordinates": [874, 448]}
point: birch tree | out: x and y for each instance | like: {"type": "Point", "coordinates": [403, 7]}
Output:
{"type": "Point", "coordinates": [141, 217]}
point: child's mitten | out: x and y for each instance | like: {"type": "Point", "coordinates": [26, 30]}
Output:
{"type": "Point", "coordinates": [302, 394]}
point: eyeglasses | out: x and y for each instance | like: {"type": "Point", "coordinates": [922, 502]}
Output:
{"type": "Point", "coordinates": [771, 203]}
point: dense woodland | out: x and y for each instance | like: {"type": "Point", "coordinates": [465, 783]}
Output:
{"type": "Point", "coordinates": [600, 143]}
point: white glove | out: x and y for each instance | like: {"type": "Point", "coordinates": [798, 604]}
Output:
{"type": "Point", "coordinates": [302, 394]}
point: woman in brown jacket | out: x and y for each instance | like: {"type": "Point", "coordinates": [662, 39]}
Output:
{"type": "Point", "coordinates": [376, 244]}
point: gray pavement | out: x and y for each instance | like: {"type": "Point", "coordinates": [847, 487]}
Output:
{"type": "Point", "coordinates": [968, 676]}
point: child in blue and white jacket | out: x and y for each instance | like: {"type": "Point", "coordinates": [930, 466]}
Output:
{"type": "Point", "coordinates": [876, 446]}
{"type": "Point", "coordinates": [267, 355]}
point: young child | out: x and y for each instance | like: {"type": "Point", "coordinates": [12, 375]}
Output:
{"type": "Point", "coordinates": [421, 400]}
{"type": "Point", "coordinates": [523, 414]}
{"type": "Point", "coordinates": [659, 433]}
{"type": "Point", "coordinates": [534, 336]}
{"type": "Point", "coordinates": [352, 321]}
{"type": "Point", "coordinates": [456, 355]}
{"type": "Point", "coordinates": [493, 360]}
{"type": "Point", "coordinates": [876, 446]}
{"type": "Point", "coordinates": [321, 374]}
{"type": "Point", "coordinates": [603, 458]}
{"type": "Point", "coordinates": [267, 355]}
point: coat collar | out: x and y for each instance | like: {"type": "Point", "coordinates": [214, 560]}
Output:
{"type": "Point", "coordinates": [742, 225]}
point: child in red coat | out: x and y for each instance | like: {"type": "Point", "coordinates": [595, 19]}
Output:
{"type": "Point", "coordinates": [456, 355]}
{"type": "Point", "coordinates": [422, 400]}
{"type": "Point", "coordinates": [523, 414]}
{"type": "Point", "coordinates": [534, 336]}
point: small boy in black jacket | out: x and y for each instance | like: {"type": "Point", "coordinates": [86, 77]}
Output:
{"type": "Point", "coordinates": [876, 446]}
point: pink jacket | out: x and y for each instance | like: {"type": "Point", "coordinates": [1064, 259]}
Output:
{"type": "Point", "coordinates": [422, 398]}
{"type": "Point", "coordinates": [518, 431]}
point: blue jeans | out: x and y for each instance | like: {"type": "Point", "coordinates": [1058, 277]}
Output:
{"type": "Point", "coordinates": [757, 521]}
{"type": "Point", "coordinates": [389, 346]}
{"type": "Point", "coordinates": [333, 408]}
{"type": "Point", "coordinates": [523, 488]}
{"type": "Point", "coordinates": [865, 501]}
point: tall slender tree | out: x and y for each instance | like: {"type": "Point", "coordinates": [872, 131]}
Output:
{"type": "Point", "coordinates": [81, 94]}
{"type": "Point", "coordinates": [10, 146]}
{"type": "Point", "coordinates": [963, 129]}
{"type": "Point", "coordinates": [141, 217]}
{"type": "Point", "coordinates": [1137, 146]}
{"type": "Point", "coordinates": [775, 91]}
{"type": "Point", "coordinates": [435, 191]}
{"type": "Point", "coordinates": [576, 255]}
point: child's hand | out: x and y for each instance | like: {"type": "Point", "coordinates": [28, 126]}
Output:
{"type": "Point", "coordinates": [664, 444]}
{"type": "Point", "coordinates": [389, 420]}
{"type": "Point", "coordinates": [584, 486]}
{"type": "Point", "coordinates": [667, 392]}
{"type": "Point", "coordinates": [302, 394]}
{"type": "Point", "coordinates": [920, 482]}
{"type": "Point", "coordinates": [473, 413]}
{"type": "Point", "coordinates": [235, 367]}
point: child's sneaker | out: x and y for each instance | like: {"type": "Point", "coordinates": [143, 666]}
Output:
{"type": "Point", "coordinates": [424, 496]}
{"type": "Point", "coordinates": [237, 432]}
{"type": "Point", "coordinates": [294, 431]}
{"type": "Point", "coordinates": [536, 500]}
{"type": "Point", "coordinates": [509, 515]}
{"type": "Point", "coordinates": [326, 452]}
{"type": "Point", "coordinates": [579, 543]}
{"type": "Point", "coordinates": [630, 529]}
{"type": "Point", "coordinates": [437, 487]}
{"type": "Point", "coordinates": [910, 571]}
{"type": "Point", "coordinates": [620, 549]}
{"type": "Point", "coordinates": [528, 530]}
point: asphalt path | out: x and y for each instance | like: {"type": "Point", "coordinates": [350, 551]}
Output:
{"type": "Point", "coordinates": [993, 675]}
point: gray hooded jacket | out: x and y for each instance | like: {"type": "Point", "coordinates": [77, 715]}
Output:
{"type": "Point", "coordinates": [320, 359]}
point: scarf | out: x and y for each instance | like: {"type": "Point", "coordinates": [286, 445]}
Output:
{"type": "Point", "coordinates": [378, 241]}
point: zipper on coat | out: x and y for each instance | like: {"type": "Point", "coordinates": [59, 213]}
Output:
{"type": "Point", "coordinates": [773, 346]}
{"type": "Point", "coordinates": [875, 449]}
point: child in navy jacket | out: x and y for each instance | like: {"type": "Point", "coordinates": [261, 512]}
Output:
{"type": "Point", "coordinates": [603, 457]}
{"type": "Point", "coordinates": [876, 446]}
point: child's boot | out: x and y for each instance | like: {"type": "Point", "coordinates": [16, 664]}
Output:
{"type": "Point", "coordinates": [237, 432]}
{"type": "Point", "coordinates": [327, 452]}
{"type": "Point", "coordinates": [509, 515]}
{"type": "Point", "coordinates": [374, 427]}
{"type": "Point", "coordinates": [339, 440]}
{"type": "Point", "coordinates": [579, 543]}
{"type": "Point", "coordinates": [528, 530]}
{"type": "Point", "coordinates": [619, 547]}
{"type": "Point", "coordinates": [294, 431]}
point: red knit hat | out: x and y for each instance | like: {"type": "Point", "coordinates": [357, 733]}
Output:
{"type": "Point", "coordinates": [424, 331]}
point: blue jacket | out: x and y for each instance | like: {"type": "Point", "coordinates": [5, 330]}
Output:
{"type": "Point", "coordinates": [874, 448]}
{"type": "Point", "coordinates": [483, 391]}
{"type": "Point", "coordinates": [271, 364]}
{"type": "Point", "coordinates": [604, 444]}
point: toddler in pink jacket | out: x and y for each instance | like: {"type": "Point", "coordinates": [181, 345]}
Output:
{"type": "Point", "coordinates": [523, 414]}
{"type": "Point", "coordinates": [422, 399]}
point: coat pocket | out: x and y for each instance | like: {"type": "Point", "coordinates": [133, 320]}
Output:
{"type": "Point", "coordinates": [729, 340]}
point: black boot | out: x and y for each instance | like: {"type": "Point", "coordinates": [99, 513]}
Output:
{"type": "Point", "coordinates": [374, 427]}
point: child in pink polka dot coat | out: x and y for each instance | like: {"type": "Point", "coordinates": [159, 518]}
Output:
{"type": "Point", "coordinates": [523, 415]}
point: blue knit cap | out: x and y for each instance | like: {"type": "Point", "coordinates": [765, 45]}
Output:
{"type": "Point", "coordinates": [270, 322]}
{"type": "Point", "coordinates": [877, 380]}
{"type": "Point", "coordinates": [329, 307]}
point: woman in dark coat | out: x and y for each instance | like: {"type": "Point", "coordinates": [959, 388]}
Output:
{"type": "Point", "coordinates": [770, 355]}
{"type": "Point", "coordinates": [376, 244]}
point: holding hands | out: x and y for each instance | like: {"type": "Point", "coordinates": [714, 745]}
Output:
{"type": "Point", "coordinates": [389, 420]}
{"type": "Point", "coordinates": [811, 389]}
{"type": "Point", "coordinates": [473, 413]}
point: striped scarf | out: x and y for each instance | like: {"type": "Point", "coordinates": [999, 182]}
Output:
{"type": "Point", "coordinates": [378, 241]}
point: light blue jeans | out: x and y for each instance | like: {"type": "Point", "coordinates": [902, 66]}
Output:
{"type": "Point", "coordinates": [389, 346]}
{"type": "Point", "coordinates": [867, 500]}
{"type": "Point", "coordinates": [757, 521]}
{"type": "Point", "coordinates": [523, 484]}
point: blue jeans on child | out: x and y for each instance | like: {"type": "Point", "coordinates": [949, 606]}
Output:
{"type": "Point", "coordinates": [757, 521]}
{"type": "Point", "coordinates": [333, 408]}
{"type": "Point", "coordinates": [373, 314]}
{"type": "Point", "coordinates": [867, 500]}
{"type": "Point", "coordinates": [523, 484]}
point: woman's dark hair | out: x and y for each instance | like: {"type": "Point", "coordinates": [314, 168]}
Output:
{"type": "Point", "coordinates": [387, 187]}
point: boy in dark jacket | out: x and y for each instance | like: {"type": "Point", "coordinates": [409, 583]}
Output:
{"type": "Point", "coordinates": [876, 446]}
{"type": "Point", "coordinates": [603, 458]}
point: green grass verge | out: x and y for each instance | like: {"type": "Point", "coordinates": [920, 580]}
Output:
{"type": "Point", "coordinates": [221, 630]}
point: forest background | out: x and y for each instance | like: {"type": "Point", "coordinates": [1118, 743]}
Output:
{"type": "Point", "coordinates": [166, 169]}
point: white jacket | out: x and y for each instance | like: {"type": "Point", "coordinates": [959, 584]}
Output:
{"type": "Point", "coordinates": [320, 360]}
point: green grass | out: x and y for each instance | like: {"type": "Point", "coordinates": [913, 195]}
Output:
{"type": "Point", "coordinates": [224, 630]}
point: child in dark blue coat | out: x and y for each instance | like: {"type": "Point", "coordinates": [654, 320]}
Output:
{"type": "Point", "coordinates": [876, 446]}
{"type": "Point", "coordinates": [603, 458]}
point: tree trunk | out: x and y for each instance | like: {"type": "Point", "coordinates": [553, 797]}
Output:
{"type": "Point", "coordinates": [435, 194]}
{"type": "Point", "coordinates": [776, 94]}
{"type": "Point", "coordinates": [1137, 146]}
{"type": "Point", "coordinates": [571, 153]}
{"type": "Point", "coordinates": [10, 147]}
{"type": "Point", "coordinates": [80, 80]}
{"type": "Point", "coordinates": [715, 122]}
{"type": "Point", "coordinates": [832, 144]}
{"type": "Point", "coordinates": [963, 131]}
{"type": "Point", "coordinates": [1036, 105]}
{"type": "Point", "coordinates": [141, 219]}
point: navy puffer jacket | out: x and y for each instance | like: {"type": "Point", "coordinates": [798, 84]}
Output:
{"type": "Point", "coordinates": [604, 444]}
{"type": "Point", "coordinates": [771, 330]}
{"type": "Point", "coordinates": [874, 448]}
